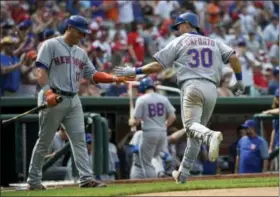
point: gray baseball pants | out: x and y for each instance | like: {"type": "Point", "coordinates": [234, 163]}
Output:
{"type": "Point", "coordinates": [198, 100]}
{"type": "Point", "coordinates": [70, 113]}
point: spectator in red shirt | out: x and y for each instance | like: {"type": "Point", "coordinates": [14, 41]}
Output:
{"type": "Point", "coordinates": [136, 46]}
{"type": "Point", "coordinates": [260, 82]}
{"type": "Point", "coordinates": [17, 11]}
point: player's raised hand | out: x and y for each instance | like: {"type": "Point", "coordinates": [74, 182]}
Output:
{"type": "Point", "coordinates": [238, 88]}
{"type": "Point", "coordinates": [124, 71]}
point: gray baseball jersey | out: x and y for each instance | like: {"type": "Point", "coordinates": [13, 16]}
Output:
{"type": "Point", "coordinates": [65, 64]}
{"type": "Point", "coordinates": [194, 56]}
{"type": "Point", "coordinates": [153, 109]}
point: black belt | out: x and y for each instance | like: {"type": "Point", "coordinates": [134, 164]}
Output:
{"type": "Point", "coordinates": [63, 93]}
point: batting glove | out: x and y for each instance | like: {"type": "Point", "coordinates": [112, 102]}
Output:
{"type": "Point", "coordinates": [125, 71]}
{"type": "Point", "coordinates": [131, 122]}
{"type": "Point", "coordinates": [238, 88]}
{"type": "Point", "coordinates": [51, 98]}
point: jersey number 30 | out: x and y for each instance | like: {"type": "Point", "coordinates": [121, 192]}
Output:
{"type": "Point", "coordinates": [203, 57]}
{"type": "Point", "coordinates": [155, 109]}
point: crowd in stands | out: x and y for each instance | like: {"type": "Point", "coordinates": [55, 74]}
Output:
{"type": "Point", "coordinates": [131, 31]}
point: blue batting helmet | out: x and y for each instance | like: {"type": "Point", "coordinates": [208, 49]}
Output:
{"type": "Point", "coordinates": [145, 84]}
{"type": "Point", "coordinates": [79, 23]}
{"type": "Point", "coordinates": [187, 17]}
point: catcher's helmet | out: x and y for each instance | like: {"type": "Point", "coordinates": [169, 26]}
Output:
{"type": "Point", "coordinates": [145, 84]}
{"type": "Point", "coordinates": [187, 17]}
{"type": "Point", "coordinates": [79, 23]}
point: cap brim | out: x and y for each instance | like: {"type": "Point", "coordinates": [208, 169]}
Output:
{"type": "Point", "coordinates": [244, 126]}
{"type": "Point", "coordinates": [175, 26]}
{"type": "Point", "coordinates": [86, 31]}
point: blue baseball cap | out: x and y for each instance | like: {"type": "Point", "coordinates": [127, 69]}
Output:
{"type": "Point", "coordinates": [89, 138]}
{"type": "Point", "coordinates": [275, 71]}
{"type": "Point", "coordinates": [249, 124]}
{"type": "Point", "coordinates": [48, 32]}
{"type": "Point", "coordinates": [25, 24]}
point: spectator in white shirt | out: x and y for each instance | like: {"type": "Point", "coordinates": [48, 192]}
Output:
{"type": "Point", "coordinates": [246, 59]}
{"type": "Point", "coordinates": [247, 21]}
{"type": "Point", "coordinates": [274, 53]}
{"type": "Point", "coordinates": [164, 8]}
{"type": "Point", "coordinates": [271, 31]}
{"type": "Point", "coordinates": [253, 43]}
{"type": "Point", "coordinates": [126, 13]}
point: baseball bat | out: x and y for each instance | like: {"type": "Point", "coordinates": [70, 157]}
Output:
{"type": "Point", "coordinates": [131, 106]}
{"type": "Point", "coordinates": [34, 110]}
{"type": "Point", "coordinates": [160, 87]}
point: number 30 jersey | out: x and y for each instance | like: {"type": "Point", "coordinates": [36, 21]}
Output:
{"type": "Point", "coordinates": [194, 56]}
{"type": "Point", "coordinates": [153, 109]}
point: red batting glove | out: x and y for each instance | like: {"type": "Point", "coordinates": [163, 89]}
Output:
{"type": "Point", "coordinates": [51, 98]}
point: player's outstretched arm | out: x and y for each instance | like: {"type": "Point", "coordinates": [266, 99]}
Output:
{"type": "Point", "coordinates": [236, 66]}
{"type": "Point", "coordinates": [153, 67]}
{"type": "Point", "coordinates": [171, 118]}
{"type": "Point", "coordinates": [238, 88]}
{"type": "Point", "coordinates": [102, 77]}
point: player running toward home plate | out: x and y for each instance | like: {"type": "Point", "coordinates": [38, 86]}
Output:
{"type": "Point", "coordinates": [156, 114]}
{"type": "Point", "coordinates": [198, 62]}
{"type": "Point", "coordinates": [60, 64]}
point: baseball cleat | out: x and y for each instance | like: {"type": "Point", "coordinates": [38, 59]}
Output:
{"type": "Point", "coordinates": [33, 188]}
{"type": "Point", "coordinates": [179, 176]}
{"type": "Point", "coordinates": [93, 183]}
{"type": "Point", "coordinates": [214, 146]}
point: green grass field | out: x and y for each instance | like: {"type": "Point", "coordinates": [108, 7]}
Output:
{"type": "Point", "coordinates": [130, 189]}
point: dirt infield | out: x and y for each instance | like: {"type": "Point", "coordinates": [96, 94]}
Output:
{"type": "Point", "coordinates": [266, 191]}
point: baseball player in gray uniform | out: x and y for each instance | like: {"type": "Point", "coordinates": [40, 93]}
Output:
{"type": "Point", "coordinates": [61, 64]}
{"type": "Point", "coordinates": [198, 62]}
{"type": "Point", "coordinates": [157, 161]}
{"type": "Point", "coordinates": [156, 114]}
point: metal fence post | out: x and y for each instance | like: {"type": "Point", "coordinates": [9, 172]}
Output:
{"type": "Point", "coordinates": [24, 154]}
{"type": "Point", "coordinates": [19, 150]}
{"type": "Point", "coordinates": [105, 146]}
{"type": "Point", "coordinates": [98, 152]}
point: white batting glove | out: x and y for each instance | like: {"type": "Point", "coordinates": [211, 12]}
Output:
{"type": "Point", "coordinates": [125, 71]}
{"type": "Point", "coordinates": [238, 88]}
{"type": "Point", "coordinates": [131, 122]}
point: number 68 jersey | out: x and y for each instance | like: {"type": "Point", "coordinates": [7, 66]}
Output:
{"type": "Point", "coordinates": [153, 109]}
{"type": "Point", "coordinates": [194, 56]}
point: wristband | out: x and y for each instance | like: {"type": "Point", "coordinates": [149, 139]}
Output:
{"type": "Point", "coordinates": [238, 76]}
{"type": "Point", "coordinates": [46, 87]}
{"type": "Point", "coordinates": [138, 71]}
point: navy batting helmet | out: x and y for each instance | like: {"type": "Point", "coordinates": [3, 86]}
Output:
{"type": "Point", "coordinates": [79, 23]}
{"type": "Point", "coordinates": [187, 17]}
{"type": "Point", "coordinates": [145, 84]}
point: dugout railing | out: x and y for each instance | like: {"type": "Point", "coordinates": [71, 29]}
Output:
{"type": "Point", "coordinates": [26, 134]}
